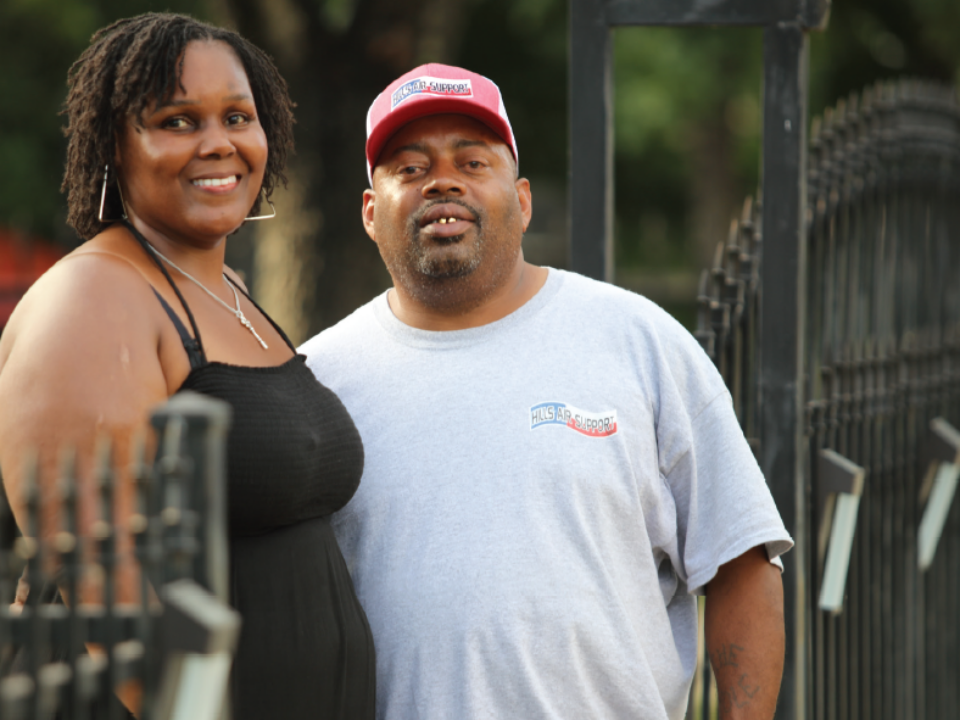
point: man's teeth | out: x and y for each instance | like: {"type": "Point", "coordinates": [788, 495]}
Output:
{"type": "Point", "coordinates": [215, 182]}
{"type": "Point", "coordinates": [444, 221]}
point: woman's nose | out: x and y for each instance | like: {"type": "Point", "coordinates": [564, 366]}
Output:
{"type": "Point", "coordinates": [215, 141]}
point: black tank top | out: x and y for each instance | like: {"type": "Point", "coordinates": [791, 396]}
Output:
{"type": "Point", "coordinates": [294, 456]}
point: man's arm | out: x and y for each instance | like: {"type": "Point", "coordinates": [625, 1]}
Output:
{"type": "Point", "coordinates": [745, 635]}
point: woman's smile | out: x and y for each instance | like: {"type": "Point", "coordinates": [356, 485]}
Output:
{"type": "Point", "coordinates": [218, 185]}
{"type": "Point", "coordinates": [191, 168]}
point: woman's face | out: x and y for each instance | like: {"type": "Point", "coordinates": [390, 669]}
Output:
{"type": "Point", "coordinates": [191, 169]}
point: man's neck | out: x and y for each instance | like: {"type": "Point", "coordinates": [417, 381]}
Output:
{"type": "Point", "coordinates": [523, 284]}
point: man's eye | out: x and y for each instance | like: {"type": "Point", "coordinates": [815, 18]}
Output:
{"type": "Point", "coordinates": [409, 170]}
{"type": "Point", "coordinates": [474, 164]}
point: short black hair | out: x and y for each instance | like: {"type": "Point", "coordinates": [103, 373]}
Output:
{"type": "Point", "coordinates": [132, 63]}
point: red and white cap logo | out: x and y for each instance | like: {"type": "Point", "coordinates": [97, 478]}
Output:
{"type": "Point", "coordinates": [433, 90]}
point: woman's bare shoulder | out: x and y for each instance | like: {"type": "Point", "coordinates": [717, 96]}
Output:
{"type": "Point", "coordinates": [236, 278]}
{"type": "Point", "coordinates": [95, 286]}
{"type": "Point", "coordinates": [80, 356]}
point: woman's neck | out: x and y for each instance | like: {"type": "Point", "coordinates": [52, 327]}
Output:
{"type": "Point", "coordinates": [202, 258]}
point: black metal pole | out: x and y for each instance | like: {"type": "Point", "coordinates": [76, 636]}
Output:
{"type": "Point", "coordinates": [206, 422]}
{"type": "Point", "coordinates": [782, 312]}
{"type": "Point", "coordinates": [591, 141]}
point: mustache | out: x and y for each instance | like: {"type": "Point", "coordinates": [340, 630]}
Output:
{"type": "Point", "coordinates": [417, 217]}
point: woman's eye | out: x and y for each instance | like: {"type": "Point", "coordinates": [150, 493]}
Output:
{"type": "Point", "coordinates": [236, 119]}
{"type": "Point", "coordinates": [176, 123]}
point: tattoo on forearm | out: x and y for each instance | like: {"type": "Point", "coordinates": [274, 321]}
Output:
{"type": "Point", "coordinates": [726, 656]}
{"type": "Point", "coordinates": [734, 688]}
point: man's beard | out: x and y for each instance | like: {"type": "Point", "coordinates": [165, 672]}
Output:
{"type": "Point", "coordinates": [444, 283]}
{"type": "Point", "coordinates": [444, 268]}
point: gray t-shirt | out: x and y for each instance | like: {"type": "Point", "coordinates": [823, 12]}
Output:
{"type": "Point", "coordinates": [541, 498]}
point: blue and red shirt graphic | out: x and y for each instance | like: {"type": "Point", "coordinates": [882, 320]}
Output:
{"type": "Point", "coordinates": [591, 424]}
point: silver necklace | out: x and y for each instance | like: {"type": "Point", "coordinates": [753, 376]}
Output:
{"type": "Point", "coordinates": [236, 311]}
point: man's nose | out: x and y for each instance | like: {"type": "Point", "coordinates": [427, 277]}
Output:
{"type": "Point", "coordinates": [443, 180]}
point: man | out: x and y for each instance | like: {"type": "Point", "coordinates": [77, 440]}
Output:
{"type": "Point", "coordinates": [553, 466]}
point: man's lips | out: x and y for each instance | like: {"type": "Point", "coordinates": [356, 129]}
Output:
{"type": "Point", "coordinates": [446, 220]}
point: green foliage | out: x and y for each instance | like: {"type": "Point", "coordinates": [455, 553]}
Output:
{"type": "Point", "coordinates": [675, 88]}
{"type": "Point", "coordinates": [666, 82]}
{"type": "Point", "coordinates": [522, 46]}
{"type": "Point", "coordinates": [668, 78]}
{"type": "Point", "coordinates": [670, 84]}
{"type": "Point", "coordinates": [337, 14]}
{"type": "Point", "coordinates": [870, 40]}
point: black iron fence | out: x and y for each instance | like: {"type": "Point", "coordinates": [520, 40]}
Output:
{"type": "Point", "coordinates": [176, 645]}
{"type": "Point", "coordinates": [778, 366]}
{"type": "Point", "coordinates": [880, 631]}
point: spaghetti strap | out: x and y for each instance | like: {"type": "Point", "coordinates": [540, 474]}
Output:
{"type": "Point", "coordinates": [194, 351]}
{"type": "Point", "coordinates": [186, 308]}
{"type": "Point", "coordinates": [269, 319]}
{"type": "Point", "coordinates": [194, 345]}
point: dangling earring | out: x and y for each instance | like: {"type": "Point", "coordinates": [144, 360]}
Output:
{"type": "Point", "coordinates": [103, 199]}
{"type": "Point", "coordinates": [273, 209]}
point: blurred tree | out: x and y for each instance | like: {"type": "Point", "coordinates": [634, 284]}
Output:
{"type": "Point", "coordinates": [522, 45]}
{"type": "Point", "coordinates": [870, 40]}
{"type": "Point", "coordinates": [314, 263]}
{"type": "Point", "coordinates": [687, 117]}
{"type": "Point", "coordinates": [687, 132]}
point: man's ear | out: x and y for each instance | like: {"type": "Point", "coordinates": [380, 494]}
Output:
{"type": "Point", "coordinates": [526, 201]}
{"type": "Point", "coordinates": [369, 200]}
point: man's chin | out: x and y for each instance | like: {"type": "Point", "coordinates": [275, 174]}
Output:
{"type": "Point", "coordinates": [447, 270]}
{"type": "Point", "coordinates": [447, 264]}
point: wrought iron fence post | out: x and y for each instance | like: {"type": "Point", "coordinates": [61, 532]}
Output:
{"type": "Point", "coordinates": [205, 424]}
{"type": "Point", "coordinates": [783, 279]}
{"type": "Point", "coordinates": [179, 525]}
{"type": "Point", "coordinates": [591, 149]}
{"type": "Point", "coordinates": [779, 395]}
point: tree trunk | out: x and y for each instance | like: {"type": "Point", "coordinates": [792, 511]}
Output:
{"type": "Point", "coordinates": [314, 263]}
{"type": "Point", "coordinates": [713, 187]}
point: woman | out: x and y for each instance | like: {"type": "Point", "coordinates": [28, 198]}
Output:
{"type": "Point", "coordinates": [177, 132]}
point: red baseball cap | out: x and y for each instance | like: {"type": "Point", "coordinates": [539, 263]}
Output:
{"type": "Point", "coordinates": [434, 90]}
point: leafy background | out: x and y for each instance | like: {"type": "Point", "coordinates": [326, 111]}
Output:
{"type": "Point", "coordinates": [687, 122]}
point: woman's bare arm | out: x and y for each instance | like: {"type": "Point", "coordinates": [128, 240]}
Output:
{"type": "Point", "coordinates": [79, 360]}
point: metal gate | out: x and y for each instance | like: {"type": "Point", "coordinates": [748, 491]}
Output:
{"type": "Point", "coordinates": [881, 394]}
{"type": "Point", "coordinates": [177, 644]}
{"type": "Point", "coordinates": [786, 27]}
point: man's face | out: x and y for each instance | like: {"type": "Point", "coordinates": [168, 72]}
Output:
{"type": "Point", "coordinates": [447, 211]}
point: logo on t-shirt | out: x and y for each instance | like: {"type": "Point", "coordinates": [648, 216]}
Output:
{"type": "Point", "coordinates": [431, 86]}
{"type": "Point", "coordinates": [591, 424]}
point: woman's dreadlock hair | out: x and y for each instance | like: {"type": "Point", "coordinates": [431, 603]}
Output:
{"type": "Point", "coordinates": [132, 63]}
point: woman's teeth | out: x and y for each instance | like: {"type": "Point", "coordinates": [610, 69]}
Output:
{"type": "Point", "coordinates": [216, 182]}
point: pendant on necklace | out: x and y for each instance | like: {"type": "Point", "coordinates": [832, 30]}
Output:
{"type": "Point", "coordinates": [246, 323]}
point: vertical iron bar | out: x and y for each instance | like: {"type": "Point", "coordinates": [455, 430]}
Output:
{"type": "Point", "coordinates": [781, 353]}
{"type": "Point", "coordinates": [203, 426]}
{"type": "Point", "coordinates": [139, 528]}
{"type": "Point", "coordinates": [591, 146]}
